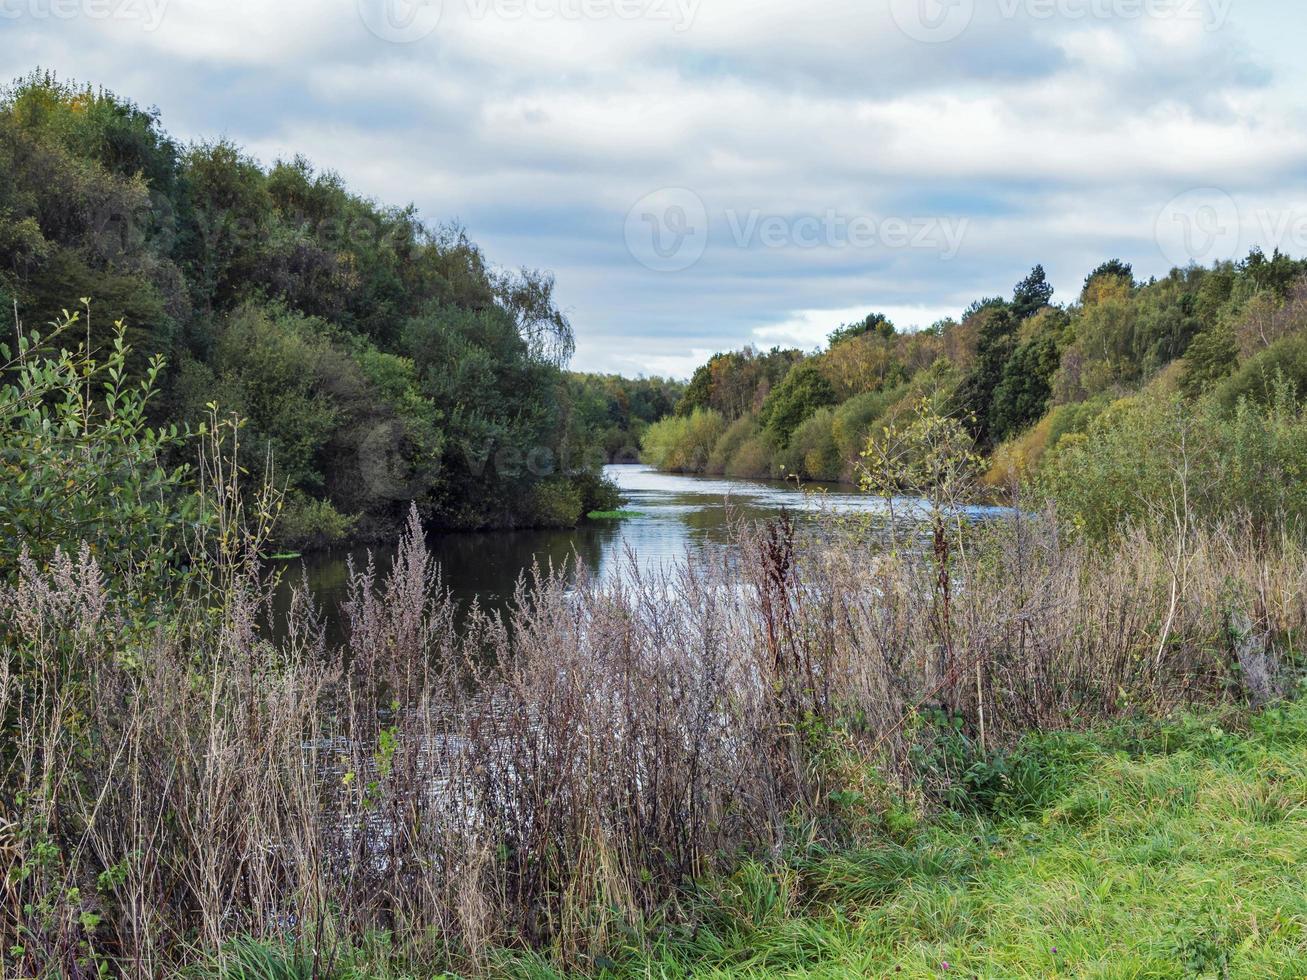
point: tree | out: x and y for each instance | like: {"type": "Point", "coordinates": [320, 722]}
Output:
{"type": "Point", "coordinates": [804, 390]}
{"type": "Point", "coordinates": [995, 343]}
{"type": "Point", "coordinates": [1112, 268]}
{"type": "Point", "coordinates": [1211, 357]}
{"type": "Point", "coordinates": [874, 323]}
{"type": "Point", "coordinates": [1031, 294]}
{"type": "Point", "coordinates": [1021, 397]}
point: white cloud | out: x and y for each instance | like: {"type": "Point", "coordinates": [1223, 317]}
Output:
{"type": "Point", "coordinates": [1057, 141]}
{"type": "Point", "coordinates": [808, 329]}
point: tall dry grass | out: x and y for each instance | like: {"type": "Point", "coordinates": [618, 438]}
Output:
{"type": "Point", "coordinates": [551, 777]}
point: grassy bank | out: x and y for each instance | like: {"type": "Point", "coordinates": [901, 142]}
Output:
{"type": "Point", "coordinates": [1172, 849]}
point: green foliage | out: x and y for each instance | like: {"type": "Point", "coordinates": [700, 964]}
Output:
{"type": "Point", "coordinates": [1211, 357]}
{"type": "Point", "coordinates": [81, 463]}
{"type": "Point", "coordinates": [612, 412]}
{"type": "Point", "coordinates": [555, 503]}
{"type": "Point", "coordinates": [1075, 418]}
{"type": "Point", "coordinates": [804, 390]}
{"type": "Point", "coordinates": [874, 323]}
{"type": "Point", "coordinates": [752, 459]}
{"type": "Point", "coordinates": [308, 523]}
{"type": "Point", "coordinates": [736, 383]}
{"type": "Point", "coordinates": [995, 344]}
{"type": "Point", "coordinates": [684, 444]}
{"type": "Point", "coordinates": [1142, 455]}
{"type": "Point", "coordinates": [377, 360]}
{"type": "Point", "coordinates": [853, 421]}
{"type": "Point", "coordinates": [1022, 395]}
{"type": "Point", "coordinates": [727, 448]}
{"type": "Point", "coordinates": [1113, 269]}
{"type": "Point", "coordinates": [1031, 294]}
{"type": "Point", "coordinates": [812, 452]}
{"type": "Point", "coordinates": [957, 771]}
{"type": "Point", "coordinates": [598, 493]}
{"type": "Point", "coordinates": [928, 454]}
{"type": "Point", "coordinates": [1259, 378]}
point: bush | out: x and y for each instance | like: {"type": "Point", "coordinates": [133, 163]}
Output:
{"type": "Point", "coordinates": [812, 452]}
{"type": "Point", "coordinates": [555, 502]}
{"type": "Point", "coordinates": [79, 465]}
{"type": "Point", "coordinates": [853, 421]}
{"type": "Point", "coordinates": [597, 492]}
{"type": "Point", "coordinates": [1284, 361]}
{"type": "Point", "coordinates": [753, 460]}
{"type": "Point", "coordinates": [736, 435]}
{"type": "Point", "coordinates": [1144, 456]}
{"type": "Point", "coordinates": [306, 523]}
{"type": "Point", "coordinates": [683, 444]}
{"type": "Point", "coordinates": [1074, 417]}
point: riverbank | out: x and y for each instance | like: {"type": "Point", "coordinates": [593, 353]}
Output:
{"type": "Point", "coordinates": [1160, 849]}
{"type": "Point", "coordinates": [707, 766]}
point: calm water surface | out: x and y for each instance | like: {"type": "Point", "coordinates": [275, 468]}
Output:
{"type": "Point", "coordinates": [678, 515]}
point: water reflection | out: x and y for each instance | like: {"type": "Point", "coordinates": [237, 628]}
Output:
{"type": "Point", "coordinates": [678, 515]}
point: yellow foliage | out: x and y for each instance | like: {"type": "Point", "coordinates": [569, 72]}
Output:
{"type": "Point", "coordinates": [1017, 458]}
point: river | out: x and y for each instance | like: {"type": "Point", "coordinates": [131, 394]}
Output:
{"type": "Point", "coordinates": [677, 514]}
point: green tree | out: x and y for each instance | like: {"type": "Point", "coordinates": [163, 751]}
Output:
{"type": "Point", "coordinates": [874, 323]}
{"type": "Point", "coordinates": [804, 390]}
{"type": "Point", "coordinates": [1022, 395]}
{"type": "Point", "coordinates": [1031, 294]}
{"type": "Point", "coordinates": [1211, 357]}
{"type": "Point", "coordinates": [995, 343]}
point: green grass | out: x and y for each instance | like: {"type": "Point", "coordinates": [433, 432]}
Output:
{"type": "Point", "coordinates": [285, 556]}
{"type": "Point", "coordinates": [612, 515]}
{"type": "Point", "coordinates": [1173, 851]}
{"type": "Point", "coordinates": [1162, 850]}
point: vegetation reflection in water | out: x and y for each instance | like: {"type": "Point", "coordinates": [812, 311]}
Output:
{"type": "Point", "coordinates": [674, 515]}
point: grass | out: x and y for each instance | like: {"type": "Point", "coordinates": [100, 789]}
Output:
{"type": "Point", "coordinates": [1161, 850]}
{"type": "Point", "coordinates": [1173, 851]}
{"type": "Point", "coordinates": [612, 515]}
{"type": "Point", "coordinates": [286, 556]}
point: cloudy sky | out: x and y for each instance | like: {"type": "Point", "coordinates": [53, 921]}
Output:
{"type": "Point", "coordinates": [702, 174]}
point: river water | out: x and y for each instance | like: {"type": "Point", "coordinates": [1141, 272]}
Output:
{"type": "Point", "coordinates": [677, 515]}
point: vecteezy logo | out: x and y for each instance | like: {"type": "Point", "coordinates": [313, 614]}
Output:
{"type": "Point", "coordinates": [667, 230]}
{"type": "Point", "coordinates": [400, 21]}
{"type": "Point", "coordinates": [1201, 225]}
{"type": "Point", "coordinates": [932, 21]}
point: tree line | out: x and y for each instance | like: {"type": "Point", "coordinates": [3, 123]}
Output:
{"type": "Point", "coordinates": [373, 359]}
{"type": "Point", "coordinates": [1087, 400]}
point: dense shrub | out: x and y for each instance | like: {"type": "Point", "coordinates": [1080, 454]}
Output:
{"type": "Point", "coordinates": [1283, 363]}
{"type": "Point", "coordinates": [753, 459]}
{"type": "Point", "coordinates": [555, 503]}
{"type": "Point", "coordinates": [684, 443]}
{"type": "Point", "coordinates": [728, 446]}
{"type": "Point", "coordinates": [306, 523]}
{"type": "Point", "coordinates": [812, 452]}
{"type": "Point", "coordinates": [853, 421]}
{"type": "Point", "coordinates": [1147, 459]}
